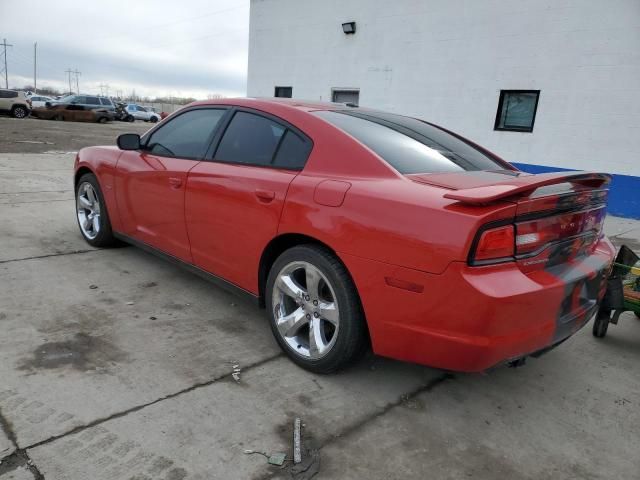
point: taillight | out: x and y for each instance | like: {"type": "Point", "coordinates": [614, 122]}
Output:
{"type": "Point", "coordinates": [535, 235]}
{"type": "Point", "coordinates": [495, 244]}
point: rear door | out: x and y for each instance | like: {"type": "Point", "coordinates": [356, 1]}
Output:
{"type": "Point", "coordinates": [234, 200]}
{"type": "Point", "coordinates": [151, 182]}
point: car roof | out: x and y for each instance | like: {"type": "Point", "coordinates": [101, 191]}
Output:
{"type": "Point", "coordinates": [306, 105]}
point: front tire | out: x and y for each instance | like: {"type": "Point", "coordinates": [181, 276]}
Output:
{"type": "Point", "coordinates": [314, 309]}
{"type": "Point", "coordinates": [20, 112]}
{"type": "Point", "coordinates": [91, 213]}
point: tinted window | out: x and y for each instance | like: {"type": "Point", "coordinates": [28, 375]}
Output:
{"type": "Point", "coordinates": [79, 99]}
{"type": "Point", "coordinates": [188, 135]}
{"type": "Point", "coordinates": [293, 151]}
{"type": "Point", "coordinates": [8, 94]}
{"type": "Point", "coordinates": [106, 101]}
{"type": "Point", "coordinates": [411, 145]}
{"type": "Point", "coordinates": [251, 139]}
{"type": "Point", "coordinates": [93, 100]}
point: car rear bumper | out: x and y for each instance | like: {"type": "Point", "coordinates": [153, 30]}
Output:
{"type": "Point", "coordinates": [473, 318]}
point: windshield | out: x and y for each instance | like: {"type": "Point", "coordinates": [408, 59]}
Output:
{"type": "Point", "coordinates": [410, 145]}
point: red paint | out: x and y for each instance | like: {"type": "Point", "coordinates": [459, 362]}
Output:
{"type": "Point", "coordinates": [405, 240]}
{"type": "Point", "coordinates": [331, 193]}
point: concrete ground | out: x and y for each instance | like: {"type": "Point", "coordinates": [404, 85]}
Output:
{"type": "Point", "coordinates": [117, 365]}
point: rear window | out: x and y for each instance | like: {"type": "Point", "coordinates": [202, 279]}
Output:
{"type": "Point", "coordinates": [410, 145]}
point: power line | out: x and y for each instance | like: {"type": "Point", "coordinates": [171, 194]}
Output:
{"type": "Point", "coordinates": [6, 71]}
{"type": "Point", "coordinates": [76, 74]}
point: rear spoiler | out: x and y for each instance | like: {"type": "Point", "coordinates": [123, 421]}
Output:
{"type": "Point", "coordinates": [521, 186]}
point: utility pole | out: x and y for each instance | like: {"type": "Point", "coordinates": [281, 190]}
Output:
{"type": "Point", "coordinates": [69, 72]}
{"type": "Point", "coordinates": [6, 72]}
{"type": "Point", "coordinates": [77, 73]}
{"type": "Point", "coordinates": [35, 67]}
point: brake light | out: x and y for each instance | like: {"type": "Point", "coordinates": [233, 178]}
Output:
{"type": "Point", "coordinates": [534, 235]}
{"type": "Point", "coordinates": [495, 243]}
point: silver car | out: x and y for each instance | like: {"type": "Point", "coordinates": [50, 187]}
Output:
{"type": "Point", "coordinates": [141, 113]}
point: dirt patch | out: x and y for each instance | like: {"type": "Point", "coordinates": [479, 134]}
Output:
{"type": "Point", "coordinates": [83, 352]}
{"type": "Point", "coordinates": [60, 136]}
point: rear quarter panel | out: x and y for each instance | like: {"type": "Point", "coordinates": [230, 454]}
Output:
{"type": "Point", "coordinates": [393, 220]}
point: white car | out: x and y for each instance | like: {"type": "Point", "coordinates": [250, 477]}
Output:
{"type": "Point", "coordinates": [141, 113]}
{"type": "Point", "coordinates": [40, 100]}
{"type": "Point", "coordinates": [14, 103]}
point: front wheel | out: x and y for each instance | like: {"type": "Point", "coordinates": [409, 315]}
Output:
{"type": "Point", "coordinates": [91, 212]}
{"type": "Point", "coordinates": [154, 119]}
{"type": "Point", "coordinates": [20, 112]}
{"type": "Point", "coordinates": [314, 309]}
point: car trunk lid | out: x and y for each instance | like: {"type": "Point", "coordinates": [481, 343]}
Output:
{"type": "Point", "coordinates": [558, 217]}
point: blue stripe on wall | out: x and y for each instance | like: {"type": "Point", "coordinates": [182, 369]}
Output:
{"type": "Point", "coordinates": [624, 191]}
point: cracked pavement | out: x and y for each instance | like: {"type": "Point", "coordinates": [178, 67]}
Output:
{"type": "Point", "coordinates": [132, 379]}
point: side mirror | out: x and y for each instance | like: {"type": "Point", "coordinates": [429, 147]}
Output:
{"type": "Point", "coordinates": [129, 141]}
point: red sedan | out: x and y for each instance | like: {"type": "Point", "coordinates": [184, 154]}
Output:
{"type": "Point", "coordinates": [357, 227]}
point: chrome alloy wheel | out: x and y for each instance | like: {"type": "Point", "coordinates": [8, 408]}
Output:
{"type": "Point", "coordinates": [88, 207]}
{"type": "Point", "coordinates": [305, 310]}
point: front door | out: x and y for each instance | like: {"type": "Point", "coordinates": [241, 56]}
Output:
{"type": "Point", "coordinates": [233, 203]}
{"type": "Point", "coordinates": [150, 183]}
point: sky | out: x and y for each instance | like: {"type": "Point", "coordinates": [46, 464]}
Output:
{"type": "Point", "coordinates": [180, 48]}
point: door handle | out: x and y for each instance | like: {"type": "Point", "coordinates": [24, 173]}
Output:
{"type": "Point", "coordinates": [265, 195]}
{"type": "Point", "coordinates": [175, 182]}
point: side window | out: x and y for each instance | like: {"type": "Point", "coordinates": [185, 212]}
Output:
{"type": "Point", "coordinates": [250, 139]}
{"type": "Point", "coordinates": [93, 100]}
{"type": "Point", "coordinates": [293, 151]}
{"type": "Point", "coordinates": [106, 101]}
{"type": "Point", "coordinates": [187, 136]}
{"type": "Point", "coordinates": [79, 100]}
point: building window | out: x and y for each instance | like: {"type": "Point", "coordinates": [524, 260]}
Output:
{"type": "Point", "coordinates": [284, 92]}
{"type": "Point", "coordinates": [350, 96]}
{"type": "Point", "coordinates": [517, 110]}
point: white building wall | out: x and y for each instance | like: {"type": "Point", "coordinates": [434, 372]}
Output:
{"type": "Point", "coordinates": [447, 60]}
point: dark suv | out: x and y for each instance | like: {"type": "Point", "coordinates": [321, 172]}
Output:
{"type": "Point", "coordinates": [87, 102]}
{"type": "Point", "coordinates": [78, 108]}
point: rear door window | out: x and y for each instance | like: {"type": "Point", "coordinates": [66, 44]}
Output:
{"type": "Point", "coordinates": [8, 94]}
{"type": "Point", "coordinates": [250, 139]}
{"type": "Point", "coordinates": [293, 151]}
{"type": "Point", "coordinates": [186, 136]}
{"type": "Point", "coordinates": [410, 145]}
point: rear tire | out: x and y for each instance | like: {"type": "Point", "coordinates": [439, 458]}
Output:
{"type": "Point", "coordinates": [153, 120]}
{"type": "Point", "coordinates": [102, 120]}
{"type": "Point", "coordinates": [20, 112]}
{"type": "Point", "coordinates": [601, 324]}
{"type": "Point", "coordinates": [319, 321]}
{"type": "Point", "coordinates": [92, 214]}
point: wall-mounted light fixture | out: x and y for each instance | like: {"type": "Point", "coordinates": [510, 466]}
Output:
{"type": "Point", "coordinates": [349, 28]}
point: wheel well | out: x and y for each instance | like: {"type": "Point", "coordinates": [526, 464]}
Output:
{"type": "Point", "coordinates": [274, 249]}
{"type": "Point", "coordinates": [81, 171]}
